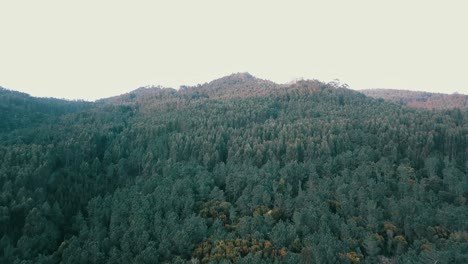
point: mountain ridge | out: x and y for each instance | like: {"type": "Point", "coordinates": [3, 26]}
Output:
{"type": "Point", "coordinates": [243, 81]}
{"type": "Point", "coordinates": [420, 99]}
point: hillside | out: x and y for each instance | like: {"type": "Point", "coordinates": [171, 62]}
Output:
{"type": "Point", "coordinates": [420, 99]}
{"type": "Point", "coordinates": [237, 170]}
{"type": "Point", "coordinates": [20, 110]}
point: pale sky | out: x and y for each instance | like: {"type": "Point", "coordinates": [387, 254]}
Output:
{"type": "Point", "coordinates": [92, 49]}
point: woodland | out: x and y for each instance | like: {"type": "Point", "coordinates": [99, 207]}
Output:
{"type": "Point", "coordinates": [237, 170]}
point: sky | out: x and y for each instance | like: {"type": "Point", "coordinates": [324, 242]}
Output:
{"type": "Point", "coordinates": [93, 49]}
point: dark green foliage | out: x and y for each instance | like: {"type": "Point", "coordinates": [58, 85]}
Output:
{"type": "Point", "coordinates": [238, 170]}
{"type": "Point", "coordinates": [19, 110]}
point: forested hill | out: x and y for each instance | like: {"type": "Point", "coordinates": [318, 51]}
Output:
{"type": "Point", "coordinates": [238, 85]}
{"type": "Point", "coordinates": [20, 110]}
{"type": "Point", "coordinates": [420, 99]}
{"type": "Point", "coordinates": [237, 170]}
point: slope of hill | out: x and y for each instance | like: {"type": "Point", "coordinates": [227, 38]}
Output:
{"type": "Point", "coordinates": [20, 110]}
{"type": "Point", "coordinates": [238, 170]}
{"type": "Point", "coordinates": [420, 99]}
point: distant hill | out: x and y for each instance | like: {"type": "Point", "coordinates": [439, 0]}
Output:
{"type": "Point", "coordinates": [234, 86]}
{"type": "Point", "coordinates": [420, 99]}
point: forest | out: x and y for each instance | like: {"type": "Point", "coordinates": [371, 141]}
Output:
{"type": "Point", "coordinates": [237, 170]}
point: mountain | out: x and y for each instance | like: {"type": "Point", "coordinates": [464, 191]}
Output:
{"type": "Point", "coordinates": [420, 99]}
{"type": "Point", "coordinates": [234, 85]}
{"type": "Point", "coordinates": [237, 170]}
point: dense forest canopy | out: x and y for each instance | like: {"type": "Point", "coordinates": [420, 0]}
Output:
{"type": "Point", "coordinates": [238, 170]}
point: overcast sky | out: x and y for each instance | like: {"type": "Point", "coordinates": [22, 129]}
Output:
{"type": "Point", "coordinates": [92, 49]}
